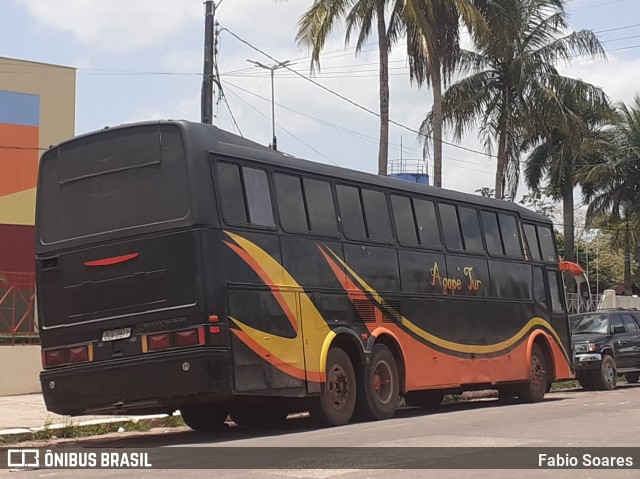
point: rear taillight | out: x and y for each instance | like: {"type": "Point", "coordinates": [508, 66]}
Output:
{"type": "Point", "coordinates": [187, 338]}
{"type": "Point", "coordinates": [157, 342]}
{"type": "Point", "coordinates": [175, 339]}
{"type": "Point", "coordinates": [54, 357]}
{"type": "Point", "coordinates": [71, 355]}
{"type": "Point", "coordinates": [81, 354]}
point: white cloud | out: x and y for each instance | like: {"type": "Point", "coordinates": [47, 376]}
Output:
{"type": "Point", "coordinates": [115, 25]}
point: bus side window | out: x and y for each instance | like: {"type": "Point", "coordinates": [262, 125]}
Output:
{"type": "Point", "coordinates": [492, 233]}
{"type": "Point", "coordinates": [554, 289]}
{"type": "Point", "coordinates": [245, 195]}
{"type": "Point", "coordinates": [376, 213]}
{"type": "Point", "coordinates": [450, 227]}
{"type": "Point", "coordinates": [547, 244]}
{"type": "Point", "coordinates": [403, 217]}
{"type": "Point", "coordinates": [231, 193]}
{"type": "Point", "coordinates": [319, 201]}
{"type": "Point", "coordinates": [539, 293]}
{"type": "Point", "coordinates": [291, 210]}
{"type": "Point", "coordinates": [351, 212]}
{"type": "Point", "coordinates": [258, 197]}
{"type": "Point", "coordinates": [510, 236]}
{"type": "Point", "coordinates": [427, 224]}
{"type": "Point", "coordinates": [532, 241]}
{"type": "Point", "coordinates": [470, 229]}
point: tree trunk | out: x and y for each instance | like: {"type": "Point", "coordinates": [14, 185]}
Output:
{"type": "Point", "coordinates": [567, 214]}
{"type": "Point", "coordinates": [502, 160]}
{"type": "Point", "coordinates": [437, 126]}
{"type": "Point", "coordinates": [383, 46]}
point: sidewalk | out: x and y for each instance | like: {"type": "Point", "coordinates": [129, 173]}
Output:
{"type": "Point", "coordinates": [21, 416]}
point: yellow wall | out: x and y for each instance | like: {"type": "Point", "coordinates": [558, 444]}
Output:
{"type": "Point", "coordinates": [56, 87]}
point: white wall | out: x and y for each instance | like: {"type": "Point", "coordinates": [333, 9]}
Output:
{"type": "Point", "coordinates": [20, 366]}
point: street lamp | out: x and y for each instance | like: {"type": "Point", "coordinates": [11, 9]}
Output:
{"type": "Point", "coordinates": [272, 69]}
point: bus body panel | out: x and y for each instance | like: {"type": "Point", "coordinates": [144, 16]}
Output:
{"type": "Point", "coordinates": [263, 305]}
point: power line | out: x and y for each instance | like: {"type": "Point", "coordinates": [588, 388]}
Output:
{"type": "Point", "coordinates": [319, 120]}
{"type": "Point", "coordinates": [282, 128]}
{"type": "Point", "coordinates": [351, 102]}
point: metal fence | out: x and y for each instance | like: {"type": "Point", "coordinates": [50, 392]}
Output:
{"type": "Point", "coordinates": [17, 308]}
{"type": "Point", "coordinates": [576, 303]}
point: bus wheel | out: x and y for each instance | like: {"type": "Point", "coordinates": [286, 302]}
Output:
{"type": "Point", "coordinates": [535, 389]}
{"type": "Point", "coordinates": [378, 387]}
{"type": "Point", "coordinates": [632, 377]}
{"type": "Point", "coordinates": [607, 376]}
{"type": "Point", "coordinates": [338, 393]}
{"type": "Point", "coordinates": [204, 417]}
{"type": "Point", "coordinates": [257, 414]}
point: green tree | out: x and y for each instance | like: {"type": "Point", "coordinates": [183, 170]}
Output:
{"type": "Point", "coordinates": [512, 77]}
{"type": "Point", "coordinates": [577, 134]}
{"type": "Point", "coordinates": [612, 188]}
{"type": "Point", "coordinates": [320, 20]}
{"type": "Point", "coordinates": [433, 47]}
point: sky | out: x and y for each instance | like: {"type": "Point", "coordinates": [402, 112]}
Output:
{"type": "Point", "coordinates": [142, 59]}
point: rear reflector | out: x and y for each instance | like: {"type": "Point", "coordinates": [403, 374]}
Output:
{"type": "Point", "coordinates": [157, 342]}
{"type": "Point", "coordinates": [112, 260]}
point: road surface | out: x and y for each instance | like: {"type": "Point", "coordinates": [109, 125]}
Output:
{"type": "Point", "coordinates": [564, 419]}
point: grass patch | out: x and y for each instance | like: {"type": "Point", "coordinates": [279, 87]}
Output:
{"type": "Point", "coordinates": [559, 386]}
{"type": "Point", "coordinates": [70, 429]}
{"type": "Point", "coordinates": [173, 421]}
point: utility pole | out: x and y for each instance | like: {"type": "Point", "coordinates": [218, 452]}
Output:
{"type": "Point", "coordinates": [273, 68]}
{"type": "Point", "coordinates": [207, 77]}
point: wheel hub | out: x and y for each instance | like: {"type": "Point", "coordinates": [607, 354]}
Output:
{"type": "Point", "coordinates": [383, 382]}
{"type": "Point", "coordinates": [338, 386]}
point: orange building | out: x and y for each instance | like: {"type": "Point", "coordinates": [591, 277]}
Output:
{"type": "Point", "coordinates": [37, 109]}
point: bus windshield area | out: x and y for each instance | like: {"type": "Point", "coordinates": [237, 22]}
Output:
{"type": "Point", "coordinates": [127, 179]}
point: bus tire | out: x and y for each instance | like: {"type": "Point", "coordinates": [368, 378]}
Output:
{"type": "Point", "coordinates": [607, 376]}
{"type": "Point", "coordinates": [632, 377]}
{"type": "Point", "coordinates": [257, 414]}
{"type": "Point", "coordinates": [337, 399]}
{"type": "Point", "coordinates": [535, 389]}
{"type": "Point", "coordinates": [204, 417]}
{"type": "Point", "coordinates": [378, 386]}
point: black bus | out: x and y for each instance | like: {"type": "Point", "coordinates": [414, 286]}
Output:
{"type": "Point", "coordinates": [182, 267]}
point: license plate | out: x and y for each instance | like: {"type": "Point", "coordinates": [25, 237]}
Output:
{"type": "Point", "coordinates": [116, 334]}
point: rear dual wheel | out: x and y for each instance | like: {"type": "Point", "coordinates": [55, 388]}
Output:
{"type": "Point", "coordinates": [337, 399]}
{"type": "Point", "coordinates": [378, 387]}
{"type": "Point", "coordinates": [373, 394]}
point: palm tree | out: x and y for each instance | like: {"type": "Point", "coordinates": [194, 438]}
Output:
{"type": "Point", "coordinates": [575, 135]}
{"type": "Point", "coordinates": [317, 23]}
{"type": "Point", "coordinates": [433, 47]}
{"type": "Point", "coordinates": [612, 188]}
{"type": "Point", "coordinates": [512, 78]}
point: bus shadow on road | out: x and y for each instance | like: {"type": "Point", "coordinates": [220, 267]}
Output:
{"type": "Point", "coordinates": [296, 423]}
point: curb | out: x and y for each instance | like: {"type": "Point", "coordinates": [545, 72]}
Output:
{"type": "Point", "coordinates": [60, 430]}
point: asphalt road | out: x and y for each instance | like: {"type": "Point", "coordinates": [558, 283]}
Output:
{"type": "Point", "coordinates": [564, 419]}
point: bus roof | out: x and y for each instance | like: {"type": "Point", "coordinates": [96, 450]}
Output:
{"type": "Point", "coordinates": [199, 136]}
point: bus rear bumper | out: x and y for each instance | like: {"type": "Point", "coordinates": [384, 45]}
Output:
{"type": "Point", "coordinates": [155, 383]}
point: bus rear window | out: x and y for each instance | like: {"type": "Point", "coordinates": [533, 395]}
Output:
{"type": "Point", "coordinates": [112, 181]}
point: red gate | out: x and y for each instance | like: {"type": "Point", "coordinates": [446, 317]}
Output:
{"type": "Point", "coordinates": [17, 308]}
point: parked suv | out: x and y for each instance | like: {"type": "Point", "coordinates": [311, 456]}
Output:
{"type": "Point", "coordinates": [606, 343]}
